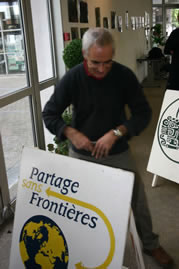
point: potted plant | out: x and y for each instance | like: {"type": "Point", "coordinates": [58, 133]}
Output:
{"type": "Point", "coordinates": [157, 36]}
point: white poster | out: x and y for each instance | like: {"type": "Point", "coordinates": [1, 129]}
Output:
{"type": "Point", "coordinates": [164, 157]}
{"type": "Point", "coordinates": [69, 213]}
{"type": "Point", "coordinates": [136, 242]}
{"type": "Point", "coordinates": [119, 23]}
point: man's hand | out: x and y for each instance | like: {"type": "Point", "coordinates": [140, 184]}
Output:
{"type": "Point", "coordinates": [104, 144]}
{"type": "Point", "coordinates": [78, 139]}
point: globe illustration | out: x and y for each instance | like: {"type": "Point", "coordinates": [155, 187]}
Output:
{"type": "Point", "coordinates": [42, 244]}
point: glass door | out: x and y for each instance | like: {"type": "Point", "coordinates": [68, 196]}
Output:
{"type": "Point", "coordinates": [172, 19]}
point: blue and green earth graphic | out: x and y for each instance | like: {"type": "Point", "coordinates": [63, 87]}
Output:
{"type": "Point", "coordinates": [42, 244]}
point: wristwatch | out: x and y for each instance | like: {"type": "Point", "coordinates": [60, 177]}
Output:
{"type": "Point", "coordinates": [117, 132]}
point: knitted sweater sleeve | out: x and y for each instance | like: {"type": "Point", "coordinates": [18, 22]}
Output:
{"type": "Point", "coordinates": [54, 108]}
{"type": "Point", "coordinates": [139, 108]}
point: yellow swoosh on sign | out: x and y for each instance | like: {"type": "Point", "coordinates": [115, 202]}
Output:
{"type": "Point", "coordinates": [101, 214]}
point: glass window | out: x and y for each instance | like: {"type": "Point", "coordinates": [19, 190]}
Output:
{"type": "Point", "coordinates": [45, 95]}
{"type": "Point", "coordinates": [9, 83]}
{"type": "Point", "coordinates": [157, 2]}
{"type": "Point", "coordinates": [16, 131]}
{"type": "Point", "coordinates": [43, 39]}
{"type": "Point", "coordinates": [172, 21]}
{"type": "Point", "coordinates": [12, 53]}
{"type": "Point", "coordinates": [157, 15]}
{"type": "Point", "coordinates": [171, 1]}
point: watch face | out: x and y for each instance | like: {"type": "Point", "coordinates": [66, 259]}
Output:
{"type": "Point", "coordinates": [117, 132]}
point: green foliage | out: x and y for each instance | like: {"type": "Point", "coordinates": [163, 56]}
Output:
{"type": "Point", "coordinates": [61, 147]}
{"type": "Point", "coordinates": [72, 54]}
{"type": "Point", "coordinates": [175, 17]}
{"type": "Point", "coordinates": [157, 35]}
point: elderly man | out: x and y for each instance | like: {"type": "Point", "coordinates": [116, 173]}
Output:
{"type": "Point", "coordinates": [99, 89]}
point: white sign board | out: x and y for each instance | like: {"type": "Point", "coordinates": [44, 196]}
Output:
{"type": "Point", "coordinates": [136, 242]}
{"type": "Point", "coordinates": [69, 213]}
{"type": "Point", "coordinates": [164, 157]}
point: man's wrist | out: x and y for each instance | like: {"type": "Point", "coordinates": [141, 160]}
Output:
{"type": "Point", "coordinates": [69, 131]}
{"type": "Point", "coordinates": [120, 131]}
{"type": "Point", "coordinates": [117, 133]}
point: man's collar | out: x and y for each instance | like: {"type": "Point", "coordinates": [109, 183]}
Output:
{"type": "Point", "coordinates": [87, 71]}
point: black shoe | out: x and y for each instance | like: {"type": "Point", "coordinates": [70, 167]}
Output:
{"type": "Point", "coordinates": [161, 257]}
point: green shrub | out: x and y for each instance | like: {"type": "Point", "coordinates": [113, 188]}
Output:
{"type": "Point", "coordinates": [61, 147]}
{"type": "Point", "coordinates": [72, 54]}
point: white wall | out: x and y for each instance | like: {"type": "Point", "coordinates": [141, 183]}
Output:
{"type": "Point", "coordinates": [130, 44]}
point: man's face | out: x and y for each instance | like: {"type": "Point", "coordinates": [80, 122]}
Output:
{"type": "Point", "coordinates": [99, 60]}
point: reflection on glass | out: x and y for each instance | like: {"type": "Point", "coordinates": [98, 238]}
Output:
{"type": "Point", "coordinates": [2, 64]}
{"type": "Point", "coordinates": [43, 42]}
{"type": "Point", "coordinates": [11, 36]}
{"type": "Point", "coordinates": [45, 95]}
{"type": "Point", "coordinates": [12, 53]}
{"type": "Point", "coordinates": [16, 131]}
{"type": "Point", "coordinates": [13, 41]}
{"type": "Point", "coordinates": [1, 45]}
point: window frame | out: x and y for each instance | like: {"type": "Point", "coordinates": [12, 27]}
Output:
{"type": "Point", "coordinates": [164, 6]}
{"type": "Point", "coordinates": [35, 87]}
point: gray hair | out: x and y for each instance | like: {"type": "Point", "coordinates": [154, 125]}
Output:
{"type": "Point", "coordinates": [98, 36]}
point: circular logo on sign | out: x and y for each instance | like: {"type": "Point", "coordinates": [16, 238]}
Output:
{"type": "Point", "coordinates": [168, 132]}
{"type": "Point", "coordinates": [42, 244]}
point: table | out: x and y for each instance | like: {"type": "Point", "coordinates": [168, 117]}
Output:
{"type": "Point", "coordinates": [154, 73]}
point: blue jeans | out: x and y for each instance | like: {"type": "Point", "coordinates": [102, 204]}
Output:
{"type": "Point", "coordinates": [139, 203]}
